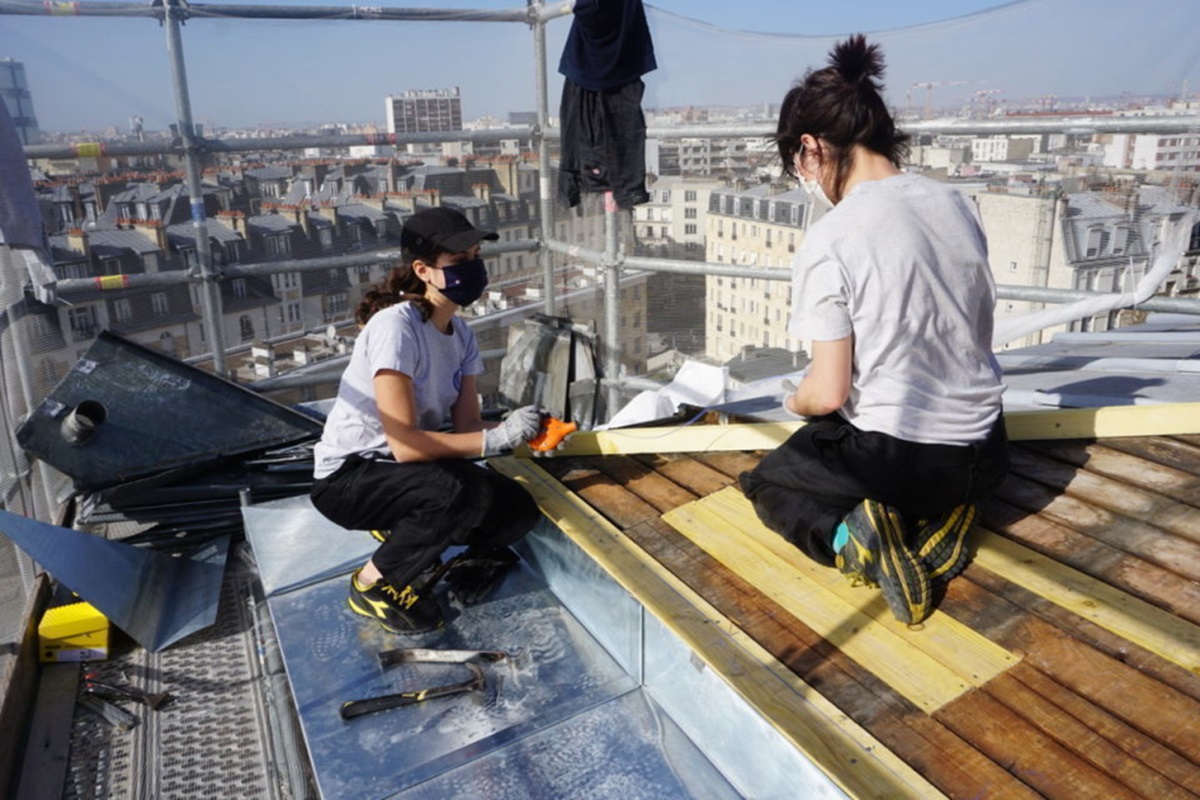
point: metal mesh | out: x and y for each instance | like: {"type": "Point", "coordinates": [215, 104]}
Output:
{"type": "Point", "coordinates": [220, 734]}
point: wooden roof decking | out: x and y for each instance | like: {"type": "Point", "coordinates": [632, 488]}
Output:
{"type": "Point", "coordinates": [1077, 668]}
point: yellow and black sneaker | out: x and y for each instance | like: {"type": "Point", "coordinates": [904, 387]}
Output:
{"type": "Point", "coordinates": [407, 611]}
{"type": "Point", "coordinates": [941, 543]}
{"type": "Point", "coordinates": [878, 555]}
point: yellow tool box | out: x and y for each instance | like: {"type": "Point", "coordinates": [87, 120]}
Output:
{"type": "Point", "coordinates": [75, 631]}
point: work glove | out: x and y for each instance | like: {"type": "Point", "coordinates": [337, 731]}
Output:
{"type": "Point", "coordinates": [517, 428]}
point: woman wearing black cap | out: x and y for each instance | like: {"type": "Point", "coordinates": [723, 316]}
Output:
{"type": "Point", "coordinates": [397, 456]}
{"type": "Point", "coordinates": [892, 287]}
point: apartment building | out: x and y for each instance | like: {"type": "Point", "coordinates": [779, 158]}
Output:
{"type": "Point", "coordinates": [1152, 151]}
{"type": "Point", "coordinates": [756, 227]}
{"type": "Point", "coordinates": [424, 110]}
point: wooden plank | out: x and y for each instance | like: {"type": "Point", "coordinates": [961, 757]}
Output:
{"type": "Point", "coordinates": [732, 464]}
{"type": "Point", "coordinates": [1137, 746]}
{"type": "Point", "coordinates": [1037, 759]}
{"type": "Point", "coordinates": [930, 667]}
{"type": "Point", "coordinates": [1168, 512]}
{"type": "Point", "coordinates": [1081, 423]}
{"type": "Point", "coordinates": [945, 759]}
{"type": "Point", "coordinates": [1180, 485]}
{"type": "Point", "coordinates": [1156, 630]}
{"type": "Point", "coordinates": [1164, 419]}
{"type": "Point", "coordinates": [1049, 719]}
{"type": "Point", "coordinates": [655, 489]}
{"type": "Point", "coordinates": [1140, 700]}
{"type": "Point", "coordinates": [1137, 576]}
{"type": "Point", "coordinates": [1161, 450]}
{"type": "Point", "coordinates": [845, 752]}
{"type": "Point", "coordinates": [678, 439]}
{"type": "Point", "coordinates": [1132, 535]}
{"type": "Point", "coordinates": [693, 475]}
{"type": "Point", "coordinates": [44, 772]}
{"type": "Point", "coordinates": [19, 680]}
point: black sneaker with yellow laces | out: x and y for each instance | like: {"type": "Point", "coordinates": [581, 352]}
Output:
{"type": "Point", "coordinates": [941, 543]}
{"type": "Point", "coordinates": [410, 610]}
{"type": "Point", "coordinates": [877, 554]}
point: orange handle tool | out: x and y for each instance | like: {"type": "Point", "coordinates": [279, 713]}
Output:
{"type": "Point", "coordinates": [553, 432]}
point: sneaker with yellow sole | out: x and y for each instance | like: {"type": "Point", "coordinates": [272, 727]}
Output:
{"type": "Point", "coordinates": [877, 554]}
{"type": "Point", "coordinates": [406, 611]}
{"type": "Point", "coordinates": [941, 543]}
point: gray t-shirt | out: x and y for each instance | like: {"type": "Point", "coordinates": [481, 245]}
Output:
{"type": "Point", "coordinates": [901, 263]}
{"type": "Point", "coordinates": [396, 338]}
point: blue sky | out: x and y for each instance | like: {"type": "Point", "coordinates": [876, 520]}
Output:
{"type": "Point", "coordinates": [97, 72]}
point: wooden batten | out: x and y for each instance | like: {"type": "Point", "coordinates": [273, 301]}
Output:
{"type": "Point", "coordinates": [1166, 419]}
{"type": "Point", "coordinates": [850, 756]}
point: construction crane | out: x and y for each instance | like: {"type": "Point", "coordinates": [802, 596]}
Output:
{"type": "Point", "coordinates": [981, 98]}
{"type": "Point", "coordinates": [928, 86]}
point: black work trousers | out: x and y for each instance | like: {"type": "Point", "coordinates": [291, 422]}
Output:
{"type": "Point", "coordinates": [805, 487]}
{"type": "Point", "coordinates": [603, 144]}
{"type": "Point", "coordinates": [427, 506]}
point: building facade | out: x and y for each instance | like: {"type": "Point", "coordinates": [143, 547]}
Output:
{"type": "Point", "coordinates": [424, 111]}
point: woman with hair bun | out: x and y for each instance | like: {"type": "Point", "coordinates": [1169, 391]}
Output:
{"type": "Point", "coordinates": [892, 287]}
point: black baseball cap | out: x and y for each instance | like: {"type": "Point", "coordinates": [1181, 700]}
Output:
{"type": "Point", "coordinates": [443, 228]}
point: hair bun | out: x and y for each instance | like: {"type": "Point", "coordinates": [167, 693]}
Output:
{"type": "Point", "coordinates": [856, 61]}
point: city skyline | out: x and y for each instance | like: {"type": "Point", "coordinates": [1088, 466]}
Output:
{"type": "Point", "coordinates": [940, 54]}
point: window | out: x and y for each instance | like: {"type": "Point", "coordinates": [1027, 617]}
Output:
{"type": "Point", "coordinates": [325, 236]}
{"type": "Point", "coordinates": [689, 230]}
{"type": "Point", "coordinates": [83, 322]}
{"type": "Point", "coordinates": [122, 310]}
{"type": "Point", "coordinates": [111, 266]}
{"type": "Point", "coordinates": [1012, 266]}
{"type": "Point", "coordinates": [239, 287]}
{"type": "Point", "coordinates": [158, 302]}
{"type": "Point", "coordinates": [689, 196]}
{"type": "Point", "coordinates": [277, 245]}
{"type": "Point", "coordinates": [364, 273]}
{"type": "Point", "coordinates": [247, 327]}
{"type": "Point", "coordinates": [689, 213]}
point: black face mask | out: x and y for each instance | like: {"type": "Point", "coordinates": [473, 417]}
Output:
{"type": "Point", "coordinates": [465, 281]}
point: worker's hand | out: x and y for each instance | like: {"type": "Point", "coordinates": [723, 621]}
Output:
{"type": "Point", "coordinates": [517, 428]}
{"type": "Point", "coordinates": [554, 434]}
{"type": "Point", "coordinates": [789, 389]}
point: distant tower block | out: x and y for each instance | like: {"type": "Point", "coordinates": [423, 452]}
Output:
{"type": "Point", "coordinates": [14, 89]}
{"type": "Point", "coordinates": [425, 111]}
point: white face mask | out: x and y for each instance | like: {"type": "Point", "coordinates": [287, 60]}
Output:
{"type": "Point", "coordinates": [816, 192]}
{"type": "Point", "coordinates": [811, 185]}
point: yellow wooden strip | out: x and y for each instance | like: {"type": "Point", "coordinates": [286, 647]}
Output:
{"type": "Point", "coordinates": [908, 670]}
{"type": "Point", "coordinates": [930, 665]}
{"type": "Point", "coordinates": [957, 647]}
{"type": "Point", "coordinates": [848, 754]}
{"type": "Point", "coordinates": [1159, 631]}
{"type": "Point", "coordinates": [678, 439]}
{"type": "Point", "coordinates": [1163, 419]}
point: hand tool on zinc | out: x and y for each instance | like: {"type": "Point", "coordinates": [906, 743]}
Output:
{"type": "Point", "coordinates": [114, 715]}
{"type": "Point", "coordinates": [471, 659]}
{"type": "Point", "coordinates": [553, 432]}
{"type": "Point", "coordinates": [356, 708]}
{"type": "Point", "coordinates": [152, 700]}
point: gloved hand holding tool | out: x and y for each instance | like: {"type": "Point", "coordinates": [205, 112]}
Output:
{"type": "Point", "coordinates": [554, 433]}
{"type": "Point", "coordinates": [517, 428]}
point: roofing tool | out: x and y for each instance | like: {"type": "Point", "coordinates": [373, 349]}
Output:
{"type": "Point", "coordinates": [114, 715]}
{"type": "Point", "coordinates": [356, 708]}
{"type": "Point", "coordinates": [152, 700]}
{"type": "Point", "coordinates": [471, 659]}
{"type": "Point", "coordinates": [554, 430]}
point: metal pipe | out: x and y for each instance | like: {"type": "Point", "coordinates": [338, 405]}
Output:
{"type": "Point", "coordinates": [545, 196]}
{"type": "Point", "coordinates": [241, 145]}
{"type": "Point", "coordinates": [612, 301]}
{"type": "Point", "coordinates": [1035, 294]}
{"type": "Point", "coordinates": [210, 289]}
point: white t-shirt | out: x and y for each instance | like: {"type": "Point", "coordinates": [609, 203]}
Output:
{"type": "Point", "coordinates": [396, 338]}
{"type": "Point", "coordinates": [901, 263]}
